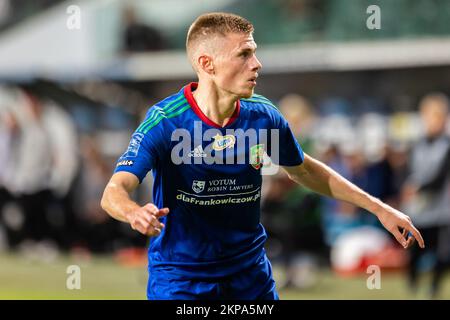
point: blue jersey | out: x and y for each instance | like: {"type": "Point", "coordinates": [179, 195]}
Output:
{"type": "Point", "coordinates": [210, 179]}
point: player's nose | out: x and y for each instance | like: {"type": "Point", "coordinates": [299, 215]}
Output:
{"type": "Point", "coordinates": [256, 64]}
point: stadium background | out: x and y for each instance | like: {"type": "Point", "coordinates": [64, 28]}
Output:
{"type": "Point", "coordinates": [72, 91]}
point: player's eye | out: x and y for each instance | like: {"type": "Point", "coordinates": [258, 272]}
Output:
{"type": "Point", "coordinates": [245, 54]}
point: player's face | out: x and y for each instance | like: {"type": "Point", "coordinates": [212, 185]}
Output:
{"type": "Point", "coordinates": [236, 66]}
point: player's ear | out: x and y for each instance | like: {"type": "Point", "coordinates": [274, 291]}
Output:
{"type": "Point", "coordinates": [205, 63]}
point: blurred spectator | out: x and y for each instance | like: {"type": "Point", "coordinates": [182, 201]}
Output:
{"type": "Point", "coordinates": [397, 157]}
{"type": "Point", "coordinates": [48, 200]}
{"type": "Point", "coordinates": [353, 235]}
{"type": "Point", "coordinates": [9, 141]}
{"type": "Point", "coordinates": [65, 165]}
{"type": "Point", "coordinates": [426, 193]}
{"type": "Point", "coordinates": [29, 182]}
{"type": "Point", "coordinates": [358, 248]}
{"type": "Point", "coordinates": [96, 232]}
{"type": "Point", "coordinates": [137, 36]}
{"type": "Point", "coordinates": [380, 178]}
{"type": "Point", "coordinates": [301, 117]}
{"type": "Point", "coordinates": [292, 213]}
{"type": "Point", "coordinates": [38, 142]}
{"type": "Point", "coordinates": [337, 216]}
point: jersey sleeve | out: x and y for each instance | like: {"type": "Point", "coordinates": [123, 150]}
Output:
{"type": "Point", "coordinates": [145, 150]}
{"type": "Point", "coordinates": [289, 150]}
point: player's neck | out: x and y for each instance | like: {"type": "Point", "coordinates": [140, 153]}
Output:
{"type": "Point", "coordinates": [216, 105]}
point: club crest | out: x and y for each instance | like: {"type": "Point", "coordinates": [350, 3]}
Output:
{"type": "Point", "coordinates": [223, 142]}
{"type": "Point", "coordinates": [257, 156]}
{"type": "Point", "coordinates": [198, 186]}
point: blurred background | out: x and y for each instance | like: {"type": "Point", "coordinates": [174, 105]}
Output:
{"type": "Point", "coordinates": [77, 77]}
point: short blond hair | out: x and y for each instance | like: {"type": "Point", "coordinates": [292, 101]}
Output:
{"type": "Point", "coordinates": [215, 24]}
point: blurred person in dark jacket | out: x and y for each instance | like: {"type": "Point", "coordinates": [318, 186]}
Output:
{"type": "Point", "coordinates": [96, 232]}
{"type": "Point", "coordinates": [426, 194]}
{"type": "Point", "coordinates": [44, 162]}
{"type": "Point", "coordinates": [10, 222]}
{"type": "Point", "coordinates": [138, 36]}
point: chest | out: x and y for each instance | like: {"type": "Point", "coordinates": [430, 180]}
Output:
{"type": "Point", "coordinates": [226, 160]}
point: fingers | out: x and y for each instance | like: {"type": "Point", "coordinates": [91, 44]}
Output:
{"type": "Point", "coordinates": [143, 226]}
{"type": "Point", "coordinates": [416, 234]}
{"type": "Point", "coordinates": [159, 213]}
{"type": "Point", "coordinates": [404, 233]}
{"type": "Point", "coordinates": [399, 237]}
{"type": "Point", "coordinates": [150, 208]}
{"type": "Point", "coordinates": [409, 238]}
{"type": "Point", "coordinates": [154, 222]}
{"type": "Point", "coordinates": [162, 212]}
{"type": "Point", "coordinates": [145, 220]}
{"type": "Point", "coordinates": [409, 235]}
{"type": "Point", "coordinates": [410, 241]}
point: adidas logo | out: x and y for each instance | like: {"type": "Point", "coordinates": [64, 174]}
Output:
{"type": "Point", "coordinates": [197, 152]}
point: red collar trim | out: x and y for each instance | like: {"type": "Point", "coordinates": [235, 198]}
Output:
{"type": "Point", "coordinates": [190, 98]}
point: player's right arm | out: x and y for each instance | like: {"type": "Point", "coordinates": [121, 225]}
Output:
{"type": "Point", "coordinates": [146, 149]}
{"type": "Point", "coordinates": [116, 201]}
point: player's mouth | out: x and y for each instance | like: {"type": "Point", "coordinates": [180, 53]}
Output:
{"type": "Point", "coordinates": [253, 80]}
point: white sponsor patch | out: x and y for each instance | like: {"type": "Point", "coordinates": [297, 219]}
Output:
{"type": "Point", "coordinates": [125, 163]}
{"type": "Point", "coordinates": [134, 145]}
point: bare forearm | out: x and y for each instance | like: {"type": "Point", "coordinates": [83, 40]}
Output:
{"type": "Point", "coordinates": [320, 178]}
{"type": "Point", "coordinates": [117, 203]}
{"type": "Point", "coordinates": [324, 180]}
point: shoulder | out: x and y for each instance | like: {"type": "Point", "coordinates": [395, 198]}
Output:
{"type": "Point", "coordinates": [166, 110]}
{"type": "Point", "coordinates": [261, 106]}
{"type": "Point", "coordinates": [259, 103]}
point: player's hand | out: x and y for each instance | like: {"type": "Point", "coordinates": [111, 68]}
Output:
{"type": "Point", "coordinates": [145, 219]}
{"type": "Point", "coordinates": [394, 221]}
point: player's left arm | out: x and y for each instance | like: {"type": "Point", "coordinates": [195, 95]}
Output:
{"type": "Point", "coordinates": [320, 178]}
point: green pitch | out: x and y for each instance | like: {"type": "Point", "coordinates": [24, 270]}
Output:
{"type": "Point", "coordinates": [104, 278]}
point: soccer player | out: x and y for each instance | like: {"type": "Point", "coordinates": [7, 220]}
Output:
{"type": "Point", "coordinates": [199, 144]}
